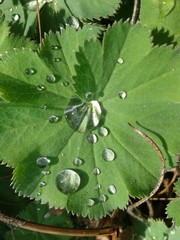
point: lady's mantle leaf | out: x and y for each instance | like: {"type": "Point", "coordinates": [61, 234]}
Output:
{"type": "Point", "coordinates": [46, 100]}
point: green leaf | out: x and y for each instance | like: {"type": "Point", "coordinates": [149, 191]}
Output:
{"type": "Point", "coordinates": [41, 214]}
{"type": "Point", "coordinates": [95, 9]}
{"type": "Point", "coordinates": [92, 159]}
{"type": "Point", "coordinates": [174, 233]}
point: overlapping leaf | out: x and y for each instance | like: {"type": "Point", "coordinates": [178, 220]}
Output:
{"type": "Point", "coordinates": [129, 82]}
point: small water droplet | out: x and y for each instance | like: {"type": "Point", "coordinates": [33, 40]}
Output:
{"type": "Point", "coordinates": [120, 61]}
{"type": "Point", "coordinates": [154, 238]}
{"type": "Point", "coordinates": [122, 94]}
{"type": "Point", "coordinates": [102, 198]}
{"type": "Point", "coordinates": [45, 172]}
{"type": "Point", "coordinates": [38, 194]}
{"type": "Point", "coordinates": [57, 59]}
{"type": "Point", "coordinates": [51, 78]}
{"type": "Point", "coordinates": [96, 171]}
{"type": "Point", "coordinates": [68, 181]}
{"type": "Point", "coordinates": [15, 17]}
{"type": "Point", "coordinates": [92, 138]}
{"type": "Point", "coordinates": [55, 47]}
{"type": "Point", "coordinates": [88, 95]}
{"type": "Point", "coordinates": [41, 88]}
{"type": "Point", "coordinates": [108, 155]}
{"type": "Point", "coordinates": [42, 184]}
{"type": "Point", "coordinates": [103, 132]}
{"type": "Point", "coordinates": [53, 119]}
{"type": "Point", "coordinates": [47, 215]}
{"type": "Point", "coordinates": [77, 162]}
{"type": "Point", "coordinates": [173, 231]}
{"type": "Point", "coordinates": [112, 189]}
{"type": "Point", "coordinates": [38, 209]}
{"type": "Point", "coordinates": [42, 162]}
{"type": "Point", "coordinates": [44, 106]}
{"type": "Point", "coordinates": [65, 83]}
{"type": "Point", "coordinates": [90, 202]}
{"type": "Point", "coordinates": [97, 187]}
{"type": "Point", "coordinates": [10, 9]}
{"type": "Point", "coordinates": [133, 181]}
{"type": "Point", "coordinates": [30, 71]}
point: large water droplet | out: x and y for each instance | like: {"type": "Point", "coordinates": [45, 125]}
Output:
{"type": "Point", "coordinates": [120, 61]}
{"type": "Point", "coordinates": [97, 187]}
{"type": "Point", "coordinates": [41, 88]}
{"type": "Point", "coordinates": [51, 78]}
{"type": "Point", "coordinates": [103, 132]}
{"type": "Point", "coordinates": [96, 171]}
{"type": "Point", "coordinates": [42, 162]}
{"type": "Point", "coordinates": [53, 119]}
{"type": "Point", "coordinates": [30, 71]}
{"type": "Point", "coordinates": [1, 1]}
{"type": "Point", "coordinates": [42, 184]}
{"type": "Point", "coordinates": [15, 17]}
{"type": "Point", "coordinates": [122, 94]}
{"type": "Point", "coordinates": [102, 198]}
{"type": "Point", "coordinates": [90, 202]}
{"type": "Point", "coordinates": [77, 162]}
{"type": "Point", "coordinates": [108, 155]}
{"type": "Point", "coordinates": [74, 22]}
{"type": "Point", "coordinates": [32, 5]}
{"type": "Point", "coordinates": [68, 181]}
{"type": "Point", "coordinates": [82, 116]}
{"type": "Point", "coordinates": [112, 189]}
{"type": "Point", "coordinates": [92, 138]}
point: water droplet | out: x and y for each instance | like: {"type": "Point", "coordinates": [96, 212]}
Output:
{"type": "Point", "coordinates": [154, 238]}
{"type": "Point", "coordinates": [57, 59]}
{"type": "Point", "coordinates": [96, 171]}
{"type": "Point", "coordinates": [90, 202]}
{"type": "Point", "coordinates": [42, 162]}
{"type": "Point", "coordinates": [38, 194]}
{"type": "Point", "coordinates": [108, 155]}
{"type": "Point", "coordinates": [88, 95]}
{"type": "Point", "coordinates": [42, 184]}
{"type": "Point", "coordinates": [92, 138]}
{"type": "Point", "coordinates": [10, 9]}
{"type": "Point", "coordinates": [77, 162]}
{"type": "Point", "coordinates": [120, 61]}
{"type": "Point", "coordinates": [65, 84]}
{"type": "Point", "coordinates": [102, 198]}
{"type": "Point", "coordinates": [97, 187]}
{"type": "Point", "coordinates": [103, 132]}
{"type": "Point", "coordinates": [30, 71]}
{"type": "Point", "coordinates": [82, 116]}
{"type": "Point", "coordinates": [41, 88]}
{"type": "Point", "coordinates": [55, 47]}
{"type": "Point", "coordinates": [68, 181]}
{"type": "Point", "coordinates": [45, 172]}
{"type": "Point", "coordinates": [51, 78]}
{"type": "Point", "coordinates": [122, 94]}
{"type": "Point", "coordinates": [74, 22]}
{"type": "Point", "coordinates": [15, 17]}
{"type": "Point", "coordinates": [1, 1]}
{"type": "Point", "coordinates": [47, 215]}
{"type": "Point", "coordinates": [53, 119]}
{"type": "Point", "coordinates": [173, 231]}
{"type": "Point", "coordinates": [112, 189]}
{"type": "Point", "coordinates": [44, 106]}
{"type": "Point", "coordinates": [133, 181]}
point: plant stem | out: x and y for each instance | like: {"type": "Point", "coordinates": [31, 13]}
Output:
{"type": "Point", "coordinates": [135, 11]}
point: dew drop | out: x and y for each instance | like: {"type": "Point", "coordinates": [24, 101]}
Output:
{"type": "Point", "coordinates": [41, 88]}
{"type": "Point", "coordinates": [133, 181]}
{"type": "Point", "coordinates": [173, 231]}
{"type": "Point", "coordinates": [55, 47]}
{"type": "Point", "coordinates": [42, 184]}
{"type": "Point", "coordinates": [47, 215]}
{"type": "Point", "coordinates": [92, 138]}
{"type": "Point", "coordinates": [10, 9]}
{"type": "Point", "coordinates": [90, 202]}
{"type": "Point", "coordinates": [108, 155]}
{"type": "Point", "coordinates": [31, 5]}
{"type": "Point", "coordinates": [103, 132]}
{"type": "Point", "coordinates": [96, 171]}
{"type": "Point", "coordinates": [45, 172]}
{"type": "Point", "coordinates": [77, 162]}
{"type": "Point", "coordinates": [68, 181]}
{"type": "Point", "coordinates": [15, 17]}
{"type": "Point", "coordinates": [97, 187]}
{"type": "Point", "coordinates": [57, 59]}
{"type": "Point", "coordinates": [38, 194]}
{"type": "Point", "coordinates": [102, 198]}
{"type": "Point", "coordinates": [122, 94]}
{"type": "Point", "coordinates": [74, 22]}
{"type": "Point", "coordinates": [1, 1]}
{"type": "Point", "coordinates": [65, 83]}
{"type": "Point", "coordinates": [120, 61]}
{"type": "Point", "coordinates": [112, 189]}
{"type": "Point", "coordinates": [44, 106]}
{"type": "Point", "coordinates": [88, 95]}
{"type": "Point", "coordinates": [30, 71]}
{"type": "Point", "coordinates": [51, 78]}
{"type": "Point", "coordinates": [154, 238]}
{"type": "Point", "coordinates": [53, 119]}
{"type": "Point", "coordinates": [42, 162]}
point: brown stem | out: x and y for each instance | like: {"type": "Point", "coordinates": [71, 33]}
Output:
{"type": "Point", "coordinates": [169, 185]}
{"type": "Point", "coordinates": [157, 149]}
{"type": "Point", "coordinates": [55, 230]}
{"type": "Point", "coordinates": [135, 11]}
{"type": "Point", "coordinates": [39, 21]}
